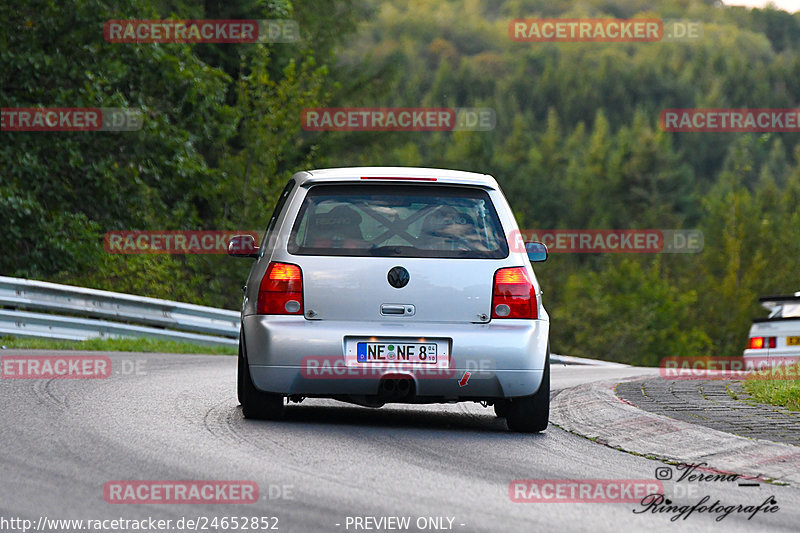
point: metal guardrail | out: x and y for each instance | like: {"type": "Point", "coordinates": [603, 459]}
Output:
{"type": "Point", "coordinates": [82, 313]}
{"type": "Point", "coordinates": [581, 361]}
{"type": "Point", "coordinates": [77, 313]}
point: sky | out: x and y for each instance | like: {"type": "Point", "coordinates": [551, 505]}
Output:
{"type": "Point", "coordinates": [791, 6]}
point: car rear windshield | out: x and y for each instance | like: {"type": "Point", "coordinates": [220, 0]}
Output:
{"type": "Point", "coordinates": [398, 221]}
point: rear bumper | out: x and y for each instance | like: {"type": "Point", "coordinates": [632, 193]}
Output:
{"type": "Point", "coordinates": [292, 355]}
{"type": "Point", "coordinates": [764, 353]}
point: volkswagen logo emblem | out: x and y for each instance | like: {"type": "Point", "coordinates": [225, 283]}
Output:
{"type": "Point", "coordinates": [398, 277]}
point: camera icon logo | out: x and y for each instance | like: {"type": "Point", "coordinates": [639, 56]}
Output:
{"type": "Point", "coordinates": [663, 473]}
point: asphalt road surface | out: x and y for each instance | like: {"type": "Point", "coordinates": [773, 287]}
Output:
{"type": "Point", "coordinates": [328, 467]}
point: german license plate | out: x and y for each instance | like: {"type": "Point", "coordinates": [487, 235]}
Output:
{"type": "Point", "coordinates": [792, 341]}
{"type": "Point", "coordinates": [394, 352]}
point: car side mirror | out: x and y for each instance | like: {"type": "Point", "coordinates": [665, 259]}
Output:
{"type": "Point", "coordinates": [537, 252]}
{"type": "Point", "coordinates": [242, 246]}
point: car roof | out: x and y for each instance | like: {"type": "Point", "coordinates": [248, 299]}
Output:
{"type": "Point", "coordinates": [410, 175]}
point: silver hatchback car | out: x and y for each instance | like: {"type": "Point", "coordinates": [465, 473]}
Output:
{"type": "Point", "coordinates": [376, 285]}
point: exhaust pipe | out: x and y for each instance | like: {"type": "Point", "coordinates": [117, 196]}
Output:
{"type": "Point", "coordinates": [391, 389]}
{"type": "Point", "coordinates": [395, 389]}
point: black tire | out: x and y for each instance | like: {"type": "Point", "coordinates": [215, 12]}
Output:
{"type": "Point", "coordinates": [530, 414]}
{"type": "Point", "coordinates": [240, 372]}
{"type": "Point", "coordinates": [256, 404]}
{"type": "Point", "coordinates": [501, 408]}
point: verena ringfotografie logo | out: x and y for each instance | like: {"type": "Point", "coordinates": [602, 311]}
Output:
{"type": "Point", "coordinates": [201, 31]}
{"type": "Point", "coordinates": [398, 119]}
{"type": "Point", "coordinates": [602, 30]}
{"type": "Point", "coordinates": [582, 490]}
{"type": "Point", "coordinates": [171, 241]}
{"type": "Point", "coordinates": [772, 368]}
{"type": "Point", "coordinates": [730, 120]}
{"type": "Point", "coordinates": [70, 119]}
{"type": "Point", "coordinates": [659, 504]}
{"type": "Point", "coordinates": [620, 241]}
{"type": "Point", "coordinates": [180, 492]}
{"type": "Point", "coordinates": [55, 367]}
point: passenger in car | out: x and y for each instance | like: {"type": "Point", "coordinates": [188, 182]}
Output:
{"type": "Point", "coordinates": [338, 228]}
{"type": "Point", "coordinates": [447, 229]}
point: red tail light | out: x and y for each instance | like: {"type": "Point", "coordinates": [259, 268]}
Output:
{"type": "Point", "coordinates": [757, 343]}
{"type": "Point", "coordinates": [513, 295]}
{"type": "Point", "coordinates": [281, 290]}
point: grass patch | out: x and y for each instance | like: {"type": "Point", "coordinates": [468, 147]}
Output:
{"type": "Point", "coordinates": [731, 392]}
{"type": "Point", "coordinates": [117, 345]}
{"type": "Point", "coordinates": [783, 392]}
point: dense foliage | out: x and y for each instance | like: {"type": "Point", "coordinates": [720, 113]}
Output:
{"type": "Point", "coordinates": [577, 145]}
